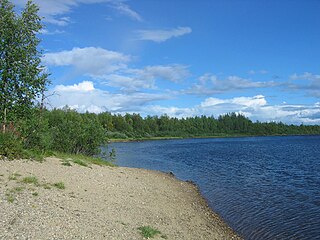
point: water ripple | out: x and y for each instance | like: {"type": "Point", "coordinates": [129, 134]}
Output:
{"type": "Point", "coordinates": [263, 187]}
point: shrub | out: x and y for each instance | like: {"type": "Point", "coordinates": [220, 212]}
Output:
{"type": "Point", "coordinates": [73, 132]}
{"type": "Point", "coordinates": [10, 146]}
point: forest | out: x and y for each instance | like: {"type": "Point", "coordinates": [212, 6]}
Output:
{"type": "Point", "coordinates": [68, 131]}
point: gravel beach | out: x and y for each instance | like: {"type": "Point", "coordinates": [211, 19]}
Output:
{"type": "Point", "coordinates": [51, 201]}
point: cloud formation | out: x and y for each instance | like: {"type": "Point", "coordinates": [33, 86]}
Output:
{"type": "Point", "coordinates": [85, 97]}
{"type": "Point", "coordinates": [209, 84]}
{"type": "Point", "coordinates": [126, 10]}
{"type": "Point", "coordinates": [85, 86]}
{"type": "Point", "coordinates": [89, 60]}
{"type": "Point", "coordinates": [256, 108]}
{"type": "Point", "coordinates": [306, 81]}
{"type": "Point", "coordinates": [162, 35]}
{"type": "Point", "coordinates": [145, 78]}
{"type": "Point", "coordinates": [111, 68]}
{"type": "Point", "coordinates": [54, 10]}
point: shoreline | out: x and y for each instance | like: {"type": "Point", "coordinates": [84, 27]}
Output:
{"type": "Point", "coordinates": [102, 203]}
{"type": "Point", "coordinates": [120, 140]}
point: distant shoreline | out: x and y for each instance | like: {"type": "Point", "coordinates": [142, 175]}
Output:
{"type": "Point", "coordinates": [201, 137]}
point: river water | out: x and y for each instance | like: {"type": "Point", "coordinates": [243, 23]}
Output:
{"type": "Point", "coordinates": [263, 187]}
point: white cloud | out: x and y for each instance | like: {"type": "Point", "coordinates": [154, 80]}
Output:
{"type": "Point", "coordinates": [162, 35]}
{"type": "Point", "coordinates": [254, 102]}
{"type": "Point", "coordinates": [128, 83]}
{"type": "Point", "coordinates": [174, 73]}
{"type": "Point", "coordinates": [126, 10]}
{"type": "Point", "coordinates": [306, 81]}
{"type": "Point", "coordinates": [145, 78]}
{"type": "Point", "coordinates": [47, 32]}
{"type": "Point", "coordinates": [111, 68]}
{"type": "Point", "coordinates": [85, 97]}
{"type": "Point", "coordinates": [210, 84]}
{"type": "Point", "coordinates": [89, 60]}
{"type": "Point", "coordinates": [306, 76]}
{"type": "Point", "coordinates": [252, 72]}
{"type": "Point", "coordinates": [256, 108]}
{"type": "Point", "coordinates": [53, 10]}
{"type": "Point", "coordinates": [84, 86]}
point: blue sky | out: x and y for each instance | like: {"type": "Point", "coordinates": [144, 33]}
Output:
{"type": "Point", "coordinates": [185, 57]}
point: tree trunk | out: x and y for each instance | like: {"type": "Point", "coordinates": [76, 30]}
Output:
{"type": "Point", "coordinates": [4, 120]}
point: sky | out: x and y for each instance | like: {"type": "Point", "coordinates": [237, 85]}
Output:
{"type": "Point", "coordinates": [184, 57]}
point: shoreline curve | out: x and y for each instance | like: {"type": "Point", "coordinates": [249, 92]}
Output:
{"type": "Point", "coordinates": [101, 203]}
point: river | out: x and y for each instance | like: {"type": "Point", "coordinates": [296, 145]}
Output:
{"type": "Point", "coordinates": [263, 187]}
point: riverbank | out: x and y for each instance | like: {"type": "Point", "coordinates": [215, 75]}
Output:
{"type": "Point", "coordinates": [53, 201]}
{"type": "Point", "coordinates": [115, 140]}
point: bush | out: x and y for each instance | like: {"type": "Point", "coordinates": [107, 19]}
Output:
{"type": "Point", "coordinates": [36, 132]}
{"type": "Point", "coordinates": [10, 146]}
{"type": "Point", "coordinates": [73, 132]}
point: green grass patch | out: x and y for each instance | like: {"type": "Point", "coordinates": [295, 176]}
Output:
{"type": "Point", "coordinates": [14, 176]}
{"type": "Point", "coordinates": [148, 232]}
{"type": "Point", "coordinates": [46, 186]}
{"type": "Point", "coordinates": [30, 180]}
{"type": "Point", "coordinates": [10, 197]}
{"type": "Point", "coordinates": [17, 189]}
{"type": "Point", "coordinates": [80, 162]}
{"type": "Point", "coordinates": [81, 159]}
{"type": "Point", "coordinates": [59, 185]}
{"type": "Point", "coordinates": [35, 194]}
{"type": "Point", "coordinates": [66, 163]}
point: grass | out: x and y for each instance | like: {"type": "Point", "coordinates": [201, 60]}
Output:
{"type": "Point", "coordinates": [59, 185]}
{"type": "Point", "coordinates": [81, 160]}
{"type": "Point", "coordinates": [66, 163]}
{"type": "Point", "coordinates": [11, 194]}
{"type": "Point", "coordinates": [46, 186]}
{"type": "Point", "coordinates": [35, 194]}
{"type": "Point", "coordinates": [17, 189]}
{"type": "Point", "coordinates": [30, 180]}
{"type": "Point", "coordinates": [68, 158]}
{"type": "Point", "coordinates": [14, 176]}
{"type": "Point", "coordinates": [10, 197]}
{"type": "Point", "coordinates": [148, 232]}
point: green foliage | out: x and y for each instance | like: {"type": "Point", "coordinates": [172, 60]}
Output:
{"type": "Point", "coordinates": [133, 126]}
{"type": "Point", "coordinates": [10, 146]}
{"type": "Point", "coordinates": [35, 130]}
{"type": "Point", "coordinates": [10, 197]}
{"type": "Point", "coordinates": [66, 163]}
{"type": "Point", "coordinates": [148, 232]}
{"type": "Point", "coordinates": [59, 185]}
{"type": "Point", "coordinates": [13, 176]}
{"type": "Point", "coordinates": [30, 180]}
{"type": "Point", "coordinates": [22, 77]}
{"type": "Point", "coordinates": [80, 162]}
{"type": "Point", "coordinates": [75, 133]}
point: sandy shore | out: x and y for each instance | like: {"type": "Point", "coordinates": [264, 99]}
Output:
{"type": "Point", "coordinates": [100, 203]}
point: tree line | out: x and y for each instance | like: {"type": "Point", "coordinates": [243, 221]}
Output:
{"type": "Point", "coordinates": [231, 124]}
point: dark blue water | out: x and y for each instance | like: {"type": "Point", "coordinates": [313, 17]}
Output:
{"type": "Point", "coordinates": [263, 187]}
